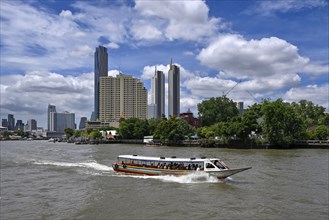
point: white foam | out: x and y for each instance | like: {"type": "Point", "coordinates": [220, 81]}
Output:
{"type": "Point", "coordinates": [190, 178]}
{"type": "Point", "coordinates": [89, 164]}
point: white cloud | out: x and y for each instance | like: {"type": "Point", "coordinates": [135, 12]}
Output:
{"type": "Point", "coordinates": [112, 45]}
{"type": "Point", "coordinates": [27, 96]}
{"type": "Point", "coordinates": [186, 20]}
{"type": "Point", "coordinates": [188, 53]}
{"type": "Point", "coordinates": [143, 30]}
{"type": "Point", "coordinates": [237, 57]}
{"type": "Point", "coordinates": [270, 7]}
{"type": "Point", "coordinates": [318, 94]}
{"type": "Point", "coordinates": [81, 51]}
{"type": "Point", "coordinates": [148, 71]}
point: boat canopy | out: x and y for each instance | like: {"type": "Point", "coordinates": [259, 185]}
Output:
{"type": "Point", "coordinates": [165, 159]}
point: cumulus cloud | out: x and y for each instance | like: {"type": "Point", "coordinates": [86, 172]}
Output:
{"type": "Point", "coordinates": [318, 94]}
{"type": "Point", "coordinates": [28, 95]}
{"type": "Point", "coordinates": [148, 71]}
{"type": "Point", "coordinates": [143, 30]}
{"type": "Point", "coordinates": [237, 57]}
{"type": "Point", "coordinates": [186, 20]}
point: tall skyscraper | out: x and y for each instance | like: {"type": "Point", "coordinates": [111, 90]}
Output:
{"type": "Point", "coordinates": [82, 123]}
{"type": "Point", "coordinates": [11, 122]}
{"type": "Point", "coordinates": [64, 120]}
{"type": "Point", "coordinates": [121, 96]}
{"type": "Point", "coordinates": [51, 120]}
{"type": "Point", "coordinates": [19, 125]}
{"type": "Point", "coordinates": [173, 90]}
{"type": "Point", "coordinates": [158, 93]}
{"type": "Point", "coordinates": [4, 123]}
{"type": "Point", "coordinates": [31, 125]}
{"type": "Point", "coordinates": [101, 70]}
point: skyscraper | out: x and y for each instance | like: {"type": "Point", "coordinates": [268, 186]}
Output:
{"type": "Point", "coordinates": [121, 96]}
{"type": "Point", "coordinates": [82, 123]}
{"type": "Point", "coordinates": [64, 120]}
{"type": "Point", "coordinates": [51, 120]}
{"type": "Point", "coordinates": [101, 70]}
{"type": "Point", "coordinates": [32, 125]}
{"type": "Point", "coordinates": [173, 90]}
{"type": "Point", "coordinates": [158, 93]}
{"type": "Point", "coordinates": [11, 122]}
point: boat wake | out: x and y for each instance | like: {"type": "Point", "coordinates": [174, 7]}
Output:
{"type": "Point", "coordinates": [89, 165]}
{"type": "Point", "coordinates": [190, 178]}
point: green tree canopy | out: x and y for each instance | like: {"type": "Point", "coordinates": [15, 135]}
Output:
{"type": "Point", "coordinates": [219, 109]}
{"type": "Point", "coordinates": [281, 123]}
{"type": "Point", "coordinates": [69, 132]}
{"type": "Point", "coordinates": [133, 128]}
{"type": "Point", "coordinates": [174, 129]}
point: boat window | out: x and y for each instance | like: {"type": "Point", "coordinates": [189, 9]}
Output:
{"type": "Point", "coordinates": [218, 164]}
{"type": "Point", "coordinates": [209, 165]}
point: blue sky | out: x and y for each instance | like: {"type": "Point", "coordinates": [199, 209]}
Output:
{"type": "Point", "coordinates": [272, 49]}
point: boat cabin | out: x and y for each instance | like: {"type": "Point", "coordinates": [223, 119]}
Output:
{"type": "Point", "coordinates": [174, 163]}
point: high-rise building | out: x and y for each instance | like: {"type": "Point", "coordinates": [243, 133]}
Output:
{"type": "Point", "coordinates": [51, 120]}
{"type": "Point", "coordinates": [4, 123]}
{"type": "Point", "coordinates": [240, 107]}
{"type": "Point", "coordinates": [158, 93]}
{"type": "Point", "coordinates": [64, 120]}
{"type": "Point", "coordinates": [121, 97]}
{"type": "Point", "coordinates": [101, 70]}
{"type": "Point", "coordinates": [82, 123]}
{"type": "Point", "coordinates": [19, 125]}
{"type": "Point", "coordinates": [11, 122]}
{"type": "Point", "coordinates": [173, 90]}
{"type": "Point", "coordinates": [31, 125]}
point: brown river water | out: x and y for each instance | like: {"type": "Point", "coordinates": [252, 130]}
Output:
{"type": "Point", "coordinates": [44, 180]}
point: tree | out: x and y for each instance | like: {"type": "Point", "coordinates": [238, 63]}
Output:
{"type": "Point", "coordinates": [311, 114]}
{"type": "Point", "coordinates": [174, 130]}
{"type": "Point", "coordinates": [281, 124]}
{"type": "Point", "coordinates": [153, 124]}
{"type": "Point", "coordinates": [219, 109]}
{"type": "Point", "coordinates": [69, 132]}
{"type": "Point", "coordinates": [321, 132]}
{"type": "Point", "coordinates": [96, 135]}
{"type": "Point", "coordinates": [133, 128]}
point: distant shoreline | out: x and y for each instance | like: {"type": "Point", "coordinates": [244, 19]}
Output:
{"type": "Point", "coordinates": [310, 144]}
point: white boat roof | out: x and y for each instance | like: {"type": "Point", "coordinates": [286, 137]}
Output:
{"type": "Point", "coordinates": [165, 159]}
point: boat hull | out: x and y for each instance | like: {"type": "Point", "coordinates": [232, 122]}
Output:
{"type": "Point", "coordinates": [221, 174]}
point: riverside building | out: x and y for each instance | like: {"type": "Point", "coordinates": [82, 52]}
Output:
{"type": "Point", "coordinates": [157, 105]}
{"type": "Point", "coordinates": [121, 97]}
{"type": "Point", "coordinates": [101, 70]}
{"type": "Point", "coordinates": [173, 90]}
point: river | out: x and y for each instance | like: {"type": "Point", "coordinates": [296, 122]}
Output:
{"type": "Point", "coordinates": [44, 180]}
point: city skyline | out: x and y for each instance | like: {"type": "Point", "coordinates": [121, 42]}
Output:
{"type": "Point", "coordinates": [276, 50]}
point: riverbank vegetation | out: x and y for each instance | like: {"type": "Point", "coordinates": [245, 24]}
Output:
{"type": "Point", "coordinates": [274, 123]}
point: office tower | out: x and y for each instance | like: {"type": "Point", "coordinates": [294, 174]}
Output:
{"type": "Point", "coordinates": [4, 123]}
{"type": "Point", "coordinates": [240, 107]}
{"type": "Point", "coordinates": [101, 70]}
{"type": "Point", "coordinates": [31, 125]}
{"type": "Point", "coordinates": [64, 120]}
{"type": "Point", "coordinates": [173, 90]}
{"type": "Point", "coordinates": [82, 123]}
{"type": "Point", "coordinates": [158, 93]}
{"type": "Point", "coordinates": [51, 120]}
{"type": "Point", "coordinates": [11, 122]}
{"type": "Point", "coordinates": [121, 97]}
{"type": "Point", "coordinates": [19, 125]}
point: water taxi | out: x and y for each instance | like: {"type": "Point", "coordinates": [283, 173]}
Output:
{"type": "Point", "coordinates": [145, 165]}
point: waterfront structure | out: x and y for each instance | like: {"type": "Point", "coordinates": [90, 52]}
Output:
{"type": "Point", "coordinates": [11, 122]}
{"type": "Point", "coordinates": [189, 118]}
{"type": "Point", "coordinates": [101, 70]}
{"type": "Point", "coordinates": [151, 111]}
{"type": "Point", "coordinates": [19, 125]}
{"type": "Point", "coordinates": [31, 125]}
{"type": "Point", "coordinates": [121, 97]}
{"type": "Point", "coordinates": [4, 123]}
{"type": "Point", "coordinates": [57, 122]}
{"type": "Point", "coordinates": [82, 123]}
{"type": "Point", "coordinates": [158, 93]}
{"type": "Point", "coordinates": [173, 90]}
{"type": "Point", "coordinates": [64, 120]}
{"type": "Point", "coordinates": [240, 107]}
{"type": "Point", "coordinates": [50, 119]}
